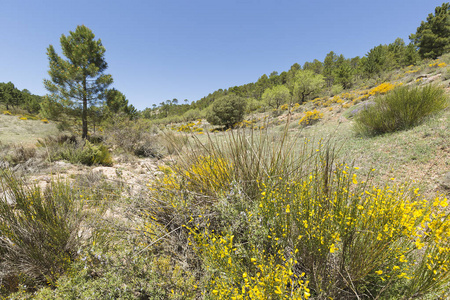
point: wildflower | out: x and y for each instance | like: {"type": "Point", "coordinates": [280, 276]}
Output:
{"type": "Point", "coordinates": [333, 248]}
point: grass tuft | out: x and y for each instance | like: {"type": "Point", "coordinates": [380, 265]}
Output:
{"type": "Point", "coordinates": [401, 109]}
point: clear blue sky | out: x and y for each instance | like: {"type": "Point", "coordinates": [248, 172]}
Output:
{"type": "Point", "coordinates": [164, 49]}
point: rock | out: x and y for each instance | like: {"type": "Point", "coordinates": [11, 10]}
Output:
{"type": "Point", "coordinates": [9, 197]}
{"type": "Point", "coordinates": [445, 181]}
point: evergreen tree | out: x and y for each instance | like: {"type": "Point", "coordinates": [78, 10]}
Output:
{"type": "Point", "coordinates": [316, 66]}
{"type": "Point", "coordinates": [116, 102]}
{"type": "Point", "coordinates": [433, 36]}
{"type": "Point", "coordinates": [78, 82]}
{"type": "Point", "coordinates": [344, 74]}
{"type": "Point", "coordinates": [328, 67]}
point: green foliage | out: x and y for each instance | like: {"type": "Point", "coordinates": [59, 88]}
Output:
{"type": "Point", "coordinates": [376, 61]}
{"type": "Point", "coordinates": [328, 67]}
{"type": "Point", "coordinates": [137, 137]}
{"type": "Point", "coordinates": [92, 154]}
{"type": "Point", "coordinates": [38, 232]}
{"type": "Point", "coordinates": [227, 110]}
{"type": "Point", "coordinates": [402, 108]}
{"type": "Point", "coordinates": [116, 102]}
{"type": "Point", "coordinates": [336, 89]}
{"type": "Point", "coordinates": [316, 66]}
{"type": "Point", "coordinates": [51, 109]}
{"type": "Point", "coordinates": [344, 75]}
{"type": "Point", "coordinates": [192, 114]}
{"type": "Point", "coordinates": [143, 277]}
{"type": "Point", "coordinates": [78, 82]}
{"type": "Point", "coordinates": [433, 36]}
{"type": "Point", "coordinates": [75, 151]}
{"type": "Point", "coordinates": [276, 96]}
{"type": "Point", "coordinates": [11, 96]}
{"type": "Point", "coordinates": [254, 105]}
{"type": "Point", "coordinates": [306, 83]}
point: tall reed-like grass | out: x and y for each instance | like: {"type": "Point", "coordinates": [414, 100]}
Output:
{"type": "Point", "coordinates": [38, 231]}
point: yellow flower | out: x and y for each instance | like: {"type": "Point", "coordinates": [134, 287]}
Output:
{"type": "Point", "coordinates": [332, 248]}
{"type": "Point", "coordinates": [288, 209]}
{"type": "Point", "coordinates": [379, 272]}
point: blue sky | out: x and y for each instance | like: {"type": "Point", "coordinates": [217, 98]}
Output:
{"type": "Point", "coordinates": [165, 49]}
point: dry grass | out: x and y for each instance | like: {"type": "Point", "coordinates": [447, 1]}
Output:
{"type": "Point", "coordinates": [13, 130]}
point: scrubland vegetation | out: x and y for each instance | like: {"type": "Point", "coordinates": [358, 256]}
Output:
{"type": "Point", "coordinates": [324, 182]}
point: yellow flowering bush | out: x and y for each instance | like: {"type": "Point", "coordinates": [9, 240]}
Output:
{"type": "Point", "coordinates": [260, 276]}
{"type": "Point", "coordinates": [312, 230]}
{"type": "Point", "coordinates": [189, 127]}
{"type": "Point", "coordinates": [350, 233]}
{"type": "Point", "coordinates": [382, 89]}
{"type": "Point", "coordinates": [310, 117]}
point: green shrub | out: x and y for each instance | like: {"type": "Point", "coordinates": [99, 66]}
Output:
{"type": "Point", "coordinates": [92, 154]}
{"type": "Point", "coordinates": [402, 108]}
{"type": "Point", "coordinates": [100, 276]}
{"type": "Point", "coordinates": [135, 137]}
{"type": "Point", "coordinates": [336, 89]}
{"type": "Point", "coordinates": [74, 150]}
{"type": "Point", "coordinates": [227, 110]}
{"type": "Point", "coordinates": [38, 232]}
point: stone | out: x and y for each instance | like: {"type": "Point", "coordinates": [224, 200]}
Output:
{"type": "Point", "coordinates": [445, 182]}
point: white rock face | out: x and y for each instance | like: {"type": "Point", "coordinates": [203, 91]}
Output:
{"type": "Point", "coordinates": [8, 197]}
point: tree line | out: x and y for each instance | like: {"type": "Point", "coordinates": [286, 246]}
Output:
{"type": "Point", "coordinates": [335, 71]}
{"type": "Point", "coordinates": [12, 97]}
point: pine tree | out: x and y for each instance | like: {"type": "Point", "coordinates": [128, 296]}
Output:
{"type": "Point", "coordinates": [433, 36]}
{"type": "Point", "coordinates": [78, 81]}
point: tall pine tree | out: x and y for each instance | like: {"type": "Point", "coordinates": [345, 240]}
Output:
{"type": "Point", "coordinates": [78, 82]}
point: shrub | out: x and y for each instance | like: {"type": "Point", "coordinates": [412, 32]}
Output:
{"type": "Point", "coordinates": [403, 108]}
{"type": "Point", "coordinates": [336, 89]}
{"type": "Point", "coordinates": [17, 154]}
{"type": "Point", "coordinates": [74, 150]}
{"type": "Point", "coordinates": [92, 154]}
{"type": "Point", "coordinates": [310, 117]}
{"type": "Point", "coordinates": [227, 110]}
{"type": "Point", "coordinates": [38, 231]}
{"type": "Point", "coordinates": [136, 137]}
{"type": "Point", "coordinates": [103, 276]}
{"type": "Point", "coordinates": [173, 142]}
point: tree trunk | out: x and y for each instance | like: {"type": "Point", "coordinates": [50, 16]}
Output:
{"type": "Point", "coordinates": [84, 112]}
